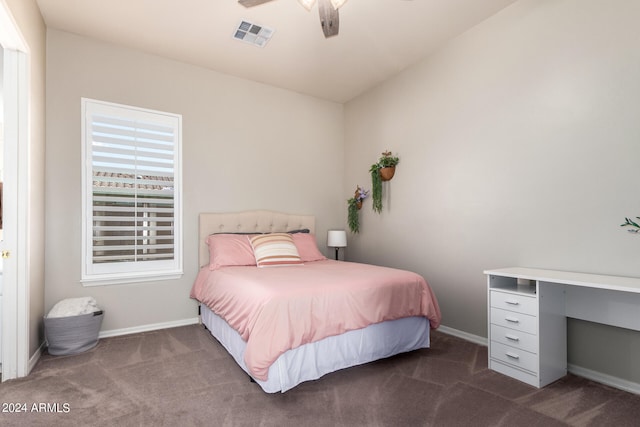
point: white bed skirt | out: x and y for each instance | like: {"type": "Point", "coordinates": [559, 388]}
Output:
{"type": "Point", "coordinates": [313, 360]}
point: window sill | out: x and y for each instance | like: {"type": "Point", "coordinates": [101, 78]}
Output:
{"type": "Point", "coordinates": [129, 279]}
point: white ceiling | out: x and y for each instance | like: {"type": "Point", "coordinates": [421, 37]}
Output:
{"type": "Point", "coordinates": [378, 38]}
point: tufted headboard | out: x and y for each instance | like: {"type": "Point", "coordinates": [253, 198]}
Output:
{"type": "Point", "coordinates": [259, 221]}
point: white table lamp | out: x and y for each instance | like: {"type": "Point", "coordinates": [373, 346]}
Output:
{"type": "Point", "coordinates": [337, 239]}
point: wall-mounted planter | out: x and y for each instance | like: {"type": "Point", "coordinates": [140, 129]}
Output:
{"type": "Point", "coordinates": [381, 171]}
{"type": "Point", "coordinates": [354, 204]}
{"type": "Point", "coordinates": [387, 173]}
{"type": "Point", "coordinates": [358, 196]}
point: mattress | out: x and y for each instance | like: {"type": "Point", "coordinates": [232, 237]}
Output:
{"type": "Point", "coordinates": [280, 308]}
{"type": "Point", "coordinates": [312, 361]}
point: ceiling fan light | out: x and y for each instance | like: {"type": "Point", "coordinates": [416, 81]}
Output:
{"type": "Point", "coordinates": [337, 4]}
{"type": "Point", "coordinates": [308, 4]}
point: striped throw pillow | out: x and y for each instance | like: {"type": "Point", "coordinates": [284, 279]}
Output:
{"type": "Point", "coordinates": [274, 249]}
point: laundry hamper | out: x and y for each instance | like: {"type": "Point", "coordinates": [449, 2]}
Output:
{"type": "Point", "coordinates": [72, 334]}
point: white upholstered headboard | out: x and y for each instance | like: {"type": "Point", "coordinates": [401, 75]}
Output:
{"type": "Point", "coordinates": [259, 221]}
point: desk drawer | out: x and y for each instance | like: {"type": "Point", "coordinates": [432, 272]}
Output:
{"type": "Point", "coordinates": [514, 338]}
{"type": "Point", "coordinates": [514, 357]}
{"type": "Point", "coordinates": [514, 302]}
{"type": "Point", "coordinates": [512, 320]}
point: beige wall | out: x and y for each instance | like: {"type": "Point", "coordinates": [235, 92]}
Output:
{"type": "Point", "coordinates": [28, 18]}
{"type": "Point", "coordinates": [519, 144]}
{"type": "Point", "coordinates": [245, 146]}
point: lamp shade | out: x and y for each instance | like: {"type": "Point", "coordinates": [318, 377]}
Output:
{"type": "Point", "coordinates": [337, 239]}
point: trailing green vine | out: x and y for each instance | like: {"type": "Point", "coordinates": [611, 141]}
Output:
{"type": "Point", "coordinates": [630, 223]}
{"type": "Point", "coordinates": [353, 206]}
{"type": "Point", "coordinates": [353, 219]}
{"type": "Point", "coordinates": [376, 188]}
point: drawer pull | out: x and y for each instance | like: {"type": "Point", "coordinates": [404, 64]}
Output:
{"type": "Point", "coordinates": [512, 319]}
{"type": "Point", "coordinates": [512, 355]}
{"type": "Point", "coordinates": [512, 337]}
{"type": "Point", "coordinates": [512, 302]}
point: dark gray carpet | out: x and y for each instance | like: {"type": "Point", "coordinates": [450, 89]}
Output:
{"type": "Point", "coordinates": [182, 376]}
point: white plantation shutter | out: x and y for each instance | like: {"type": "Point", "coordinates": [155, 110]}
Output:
{"type": "Point", "coordinates": [132, 194]}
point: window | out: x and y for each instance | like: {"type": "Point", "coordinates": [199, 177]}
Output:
{"type": "Point", "coordinates": [132, 228]}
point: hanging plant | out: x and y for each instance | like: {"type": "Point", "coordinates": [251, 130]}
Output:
{"type": "Point", "coordinates": [353, 206]}
{"type": "Point", "coordinates": [631, 223]}
{"type": "Point", "coordinates": [376, 188]}
{"type": "Point", "coordinates": [353, 218]}
{"type": "Point", "coordinates": [381, 171]}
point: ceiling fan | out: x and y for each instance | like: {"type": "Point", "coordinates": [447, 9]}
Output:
{"type": "Point", "coordinates": [328, 9]}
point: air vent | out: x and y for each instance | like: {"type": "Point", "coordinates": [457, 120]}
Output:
{"type": "Point", "coordinates": [256, 35]}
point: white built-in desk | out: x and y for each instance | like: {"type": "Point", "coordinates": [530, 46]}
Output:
{"type": "Point", "coordinates": [528, 310]}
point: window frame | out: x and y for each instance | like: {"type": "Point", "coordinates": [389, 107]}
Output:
{"type": "Point", "coordinates": [98, 274]}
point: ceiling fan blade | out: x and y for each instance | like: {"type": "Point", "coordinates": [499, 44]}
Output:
{"type": "Point", "coordinates": [329, 18]}
{"type": "Point", "coordinates": [251, 3]}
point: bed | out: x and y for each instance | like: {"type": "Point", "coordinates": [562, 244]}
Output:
{"type": "Point", "coordinates": [280, 323]}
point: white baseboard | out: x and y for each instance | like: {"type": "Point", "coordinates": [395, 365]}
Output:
{"type": "Point", "coordinates": [36, 356]}
{"type": "Point", "coordinates": [599, 377]}
{"type": "Point", "coordinates": [147, 328]}
{"type": "Point", "coordinates": [609, 380]}
{"type": "Point", "coordinates": [476, 339]}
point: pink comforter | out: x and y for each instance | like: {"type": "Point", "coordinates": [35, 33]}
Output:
{"type": "Point", "coordinates": [280, 308]}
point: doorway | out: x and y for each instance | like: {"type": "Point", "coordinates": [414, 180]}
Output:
{"type": "Point", "coordinates": [1, 182]}
{"type": "Point", "coordinates": [14, 312]}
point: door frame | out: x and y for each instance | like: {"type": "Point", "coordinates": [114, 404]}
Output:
{"type": "Point", "coordinates": [15, 299]}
